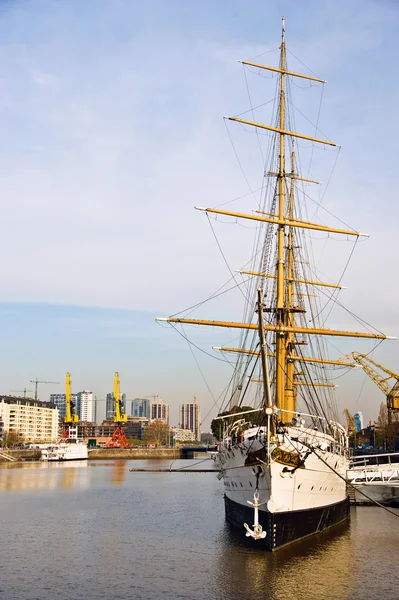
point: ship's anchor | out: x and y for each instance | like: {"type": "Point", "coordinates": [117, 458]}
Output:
{"type": "Point", "coordinates": [257, 533]}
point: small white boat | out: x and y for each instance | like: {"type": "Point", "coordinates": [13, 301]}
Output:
{"type": "Point", "coordinates": [65, 451]}
{"type": "Point", "coordinates": [378, 482]}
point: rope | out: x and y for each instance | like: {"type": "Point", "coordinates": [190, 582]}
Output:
{"type": "Point", "coordinates": [353, 486]}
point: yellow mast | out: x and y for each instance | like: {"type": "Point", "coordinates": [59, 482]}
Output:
{"type": "Point", "coordinates": [290, 390]}
{"type": "Point", "coordinates": [284, 327]}
{"type": "Point", "coordinates": [280, 308]}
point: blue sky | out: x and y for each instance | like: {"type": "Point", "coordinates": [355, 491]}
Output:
{"type": "Point", "coordinates": [111, 131]}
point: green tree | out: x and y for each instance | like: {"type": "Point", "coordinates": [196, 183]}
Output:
{"type": "Point", "coordinates": [157, 433]}
{"type": "Point", "coordinates": [218, 425]}
{"type": "Point", "coordinates": [11, 438]}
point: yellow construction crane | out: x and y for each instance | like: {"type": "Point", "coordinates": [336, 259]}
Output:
{"type": "Point", "coordinates": [118, 439]}
{"type": "Point", "coordinates": [351, 426]}
{"type": "Point", "coordinates": [390, 390]}
{"type": "Point", "coordinates": [71, 418]}
{"type": "Point", "coordinates": [351, 423]}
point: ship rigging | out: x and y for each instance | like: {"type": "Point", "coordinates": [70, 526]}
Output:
{"type": "Point", "coordinates": [295, 493]}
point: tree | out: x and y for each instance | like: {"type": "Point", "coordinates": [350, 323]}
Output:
{"type": "Point", "coordinates": [157, 433]}
{"type": "Point", "coordinates": [219, 425]}
{"type": "Point", "coordinates": [11, 438]}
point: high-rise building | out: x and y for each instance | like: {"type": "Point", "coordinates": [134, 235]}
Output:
{"type": "Point", "coordinates": [34, 420]}
{"type": "Point", "coordinates": [60, 401]}
{"type": "Point", "coordinates": [358, 418]}
{"type": "Point", "coordinates": [141, 407]}
{"type": "Point", "coordinates": [159, 411]}
{"type": "Point", "coordinates": [190, 417]}
{"type": "Point", "coordinates": [84, 405]}
{"type": "Point", "coordinates": [110, 405]}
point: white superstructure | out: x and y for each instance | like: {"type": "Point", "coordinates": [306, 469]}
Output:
{"type": "Point", "coordinates": [65, 451]}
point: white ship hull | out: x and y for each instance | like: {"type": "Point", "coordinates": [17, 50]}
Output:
{"type": "Point", "coordinates": [296, 501]}
{"type": "Point", "coordinates": [65, 451]}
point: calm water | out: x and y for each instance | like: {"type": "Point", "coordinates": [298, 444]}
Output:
{"type": "Point", "coordinates": [96, 532]}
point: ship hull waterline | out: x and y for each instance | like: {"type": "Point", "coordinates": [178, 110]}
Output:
{"type": "Point", "coordinates": [285, 528]}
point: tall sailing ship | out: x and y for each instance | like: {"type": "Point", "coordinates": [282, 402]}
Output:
{"type": "Point", "coordinates": [284, 461]}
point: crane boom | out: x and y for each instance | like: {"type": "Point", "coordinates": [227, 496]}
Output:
{"type": "Point", "coordinates": [37, 381]}
{"type": "Point", "coordinates": [384, 384]}
{"type": "Point", "coordinates": [351, 422]}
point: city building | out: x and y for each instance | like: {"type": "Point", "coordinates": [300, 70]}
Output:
{"type": "Point", "coordinates": [141, 407]}
{"type": "Point", "coordinates": [190, 418]}
{"type": "Point", "coordinates": [182, 435]}
{"type": "Point", "coordinates": [34, 420]}
{"type": "Point", "coordinates": [84, 405]}
{"type": "Point", "coordinates": [358, 418]}
{"type": "Point", "coordinates": [110, 405]}
{"type": "Point", "coordinates": [60, 401]}
{"type": "Point", "coordinates": [159, 411]}
{"type": "Point", "coordinates": [134, 430]}
{"type": "Point", "coordinates": [1, 431]}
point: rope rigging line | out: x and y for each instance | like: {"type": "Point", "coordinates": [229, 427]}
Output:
{"type": "Point", "coordinates": [351, 484]}
{"type": "Point", "coordinates": [216, 294]}
{"type": "Point", "coordinates": [233, 275]}
{"type": "Point", "coordinates": [309, 121]}
{"type": "Point", "coordinates": [312, 449]}
{"type": "Point", "coordinates": [335, 292]}
{"type": "Point", "coordinates": [238, 159]}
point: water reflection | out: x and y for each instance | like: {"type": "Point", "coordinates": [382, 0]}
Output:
{"type": "Point", "coordinates": [319, 567]}
{"type": "Point", "coordinates": [58, 475]}
{"type": "Point", "coordinates": [62, 475]}
{"type": "Point", "coordinates": [119, 472]}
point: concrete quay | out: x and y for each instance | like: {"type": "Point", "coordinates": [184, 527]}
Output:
{"type": "Point", "coordinates": [7, 455]}
{"type": "Point", "coordinates": [138, 453]}
{"type": "Point", "coordinates": [134, 453]}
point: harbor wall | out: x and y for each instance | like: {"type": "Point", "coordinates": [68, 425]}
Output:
{"type": "Point", "coordinates": [134, 453]}
{"type": "Point", "coordinates": [105, 453]}
{"type": "Point", "coordinates": [20, 454]}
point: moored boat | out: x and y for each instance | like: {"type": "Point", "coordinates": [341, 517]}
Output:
{"type": "Point", "coordinates": [283, 455]}
{"type": "Point", "coordinates": [65, 451]}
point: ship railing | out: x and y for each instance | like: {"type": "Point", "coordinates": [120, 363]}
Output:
{"type": "Point", "coordinates": [363, 460]}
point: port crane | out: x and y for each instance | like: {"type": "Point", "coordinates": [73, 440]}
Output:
{"type": "Point", "coordinates": [37, 381]}
{"type": "Point", "coordinates": [351, 425]}
{"type": "Point", "coordinates": [118, 439]}
{"type": "Point", "coordinates": [388, 384]}
{"type": "Point", "coordinates": [71, 419]}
